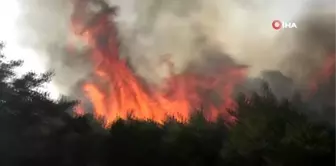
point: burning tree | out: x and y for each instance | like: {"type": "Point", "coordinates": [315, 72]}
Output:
{"type": "Point", "coordinates": [115, 90]}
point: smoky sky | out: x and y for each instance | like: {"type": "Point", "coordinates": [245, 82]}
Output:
{"type": "Point", "coordinates": [151, 29]}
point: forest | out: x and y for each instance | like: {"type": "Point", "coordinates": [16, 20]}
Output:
{"type": "Point", "coordinates": [36, 130]}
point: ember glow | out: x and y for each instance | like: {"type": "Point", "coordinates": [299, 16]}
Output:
{"type": "Point", "coordinates": [116, 91]}
{"type": "Point", "coordinates": [324, 74]}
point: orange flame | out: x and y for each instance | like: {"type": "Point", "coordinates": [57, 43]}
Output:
{"type": "Point", "coordinates": [117, 90]}
{"type": "Point", "coordinates": [324, 74]}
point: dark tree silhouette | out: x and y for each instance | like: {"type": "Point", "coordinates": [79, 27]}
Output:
{"type": "Point", "coordinates": [27, 115]}
{"type": "Point", "coordinates": [38, 131]}
{"type": "Point", "coordinates": [276, 133]}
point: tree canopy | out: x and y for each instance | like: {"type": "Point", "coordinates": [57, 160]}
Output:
{"type": "Point", "coordinates": [36, 130]}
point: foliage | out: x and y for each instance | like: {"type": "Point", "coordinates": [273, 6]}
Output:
{"type": "Point", "coordinates": [36, 130]}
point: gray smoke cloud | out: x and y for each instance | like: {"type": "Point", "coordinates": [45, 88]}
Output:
{"type": "Point", "coordinates": [44, 26]}
{"type": "Point", "coordinates": [153, 29]}
{"type": "Point", "coordinates": [307, 49]}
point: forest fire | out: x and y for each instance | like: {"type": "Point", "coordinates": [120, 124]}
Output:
{"type": "Point", "coordinates": [323, 75]}
{"type": "Point", "coordinates": [116, 91]}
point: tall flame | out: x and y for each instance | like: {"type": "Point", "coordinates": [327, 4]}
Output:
{"type": "Point", "coordinates": [116, 90]}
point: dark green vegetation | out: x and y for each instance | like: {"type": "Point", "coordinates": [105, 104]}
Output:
{"type": "Point", "coordinates": [36, 131]}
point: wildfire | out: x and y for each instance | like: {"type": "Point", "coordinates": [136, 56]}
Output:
{"type": "Point", "coordinates": [116, 91]}
{"type": "Point", "coordinates": [324, 74]}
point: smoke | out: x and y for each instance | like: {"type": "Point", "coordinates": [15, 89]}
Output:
{"type": "Point", "coordinates": [44, 26]}
{"type": "Point", "coordinates": [307, 49]}
{"type": "Point", "coordinates": [240, 29]}
{"type": "Point", "coordinates": [177, 27]}
{"type": "Point", "coordinates": [180, 30]}
{"type": "Point", "coordinates": [183, 31]}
